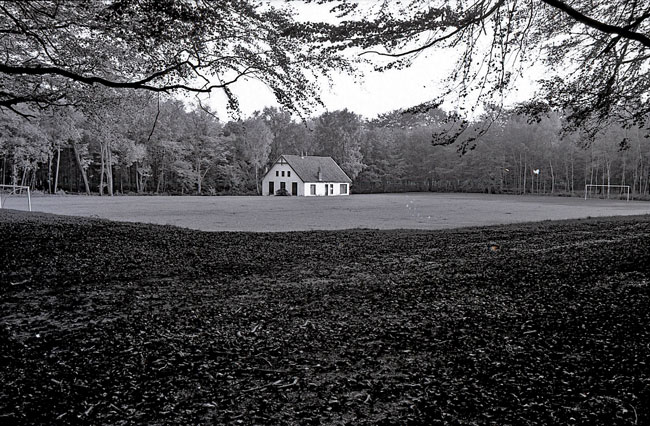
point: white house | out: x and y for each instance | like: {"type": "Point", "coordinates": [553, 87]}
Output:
{"type": "Point", "coordinates": [306, 176]}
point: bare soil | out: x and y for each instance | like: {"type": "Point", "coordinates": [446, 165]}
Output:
{"type": "Point", "coordinates": [118, 323]}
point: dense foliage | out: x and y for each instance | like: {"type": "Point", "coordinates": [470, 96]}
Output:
{"type": "Point", "coordinates": [596, 53]}
{"type": "Point", "coordinates": [55, 50]}
{"type": "Point", "coordinates": [542, 324]}
{"type": "Point", "coordinates": [142, 143]}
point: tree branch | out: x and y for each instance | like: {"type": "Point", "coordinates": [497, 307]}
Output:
{"type": "Point", "coordinates": [461, 27]}
{"type": "Point", "coordinates": [139, 84]}
{"type": "Point", "coordinates": [598, 25]}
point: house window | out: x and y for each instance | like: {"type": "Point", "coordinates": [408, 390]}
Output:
{"type": "Point", "coordinates": [312, 189]}
{"type": "Point", "coordinates": [344, 188]}
{"type": "Point", "coordinates": [277, 173]}
{"type": "Point", "coordinates": [282, 173]}
{"type": "Point", "coordinates": [283, 185]}
{"type": "Point", "coordinates": [289, 173]}
{"type": "Point", "coordinates": [331, 188]}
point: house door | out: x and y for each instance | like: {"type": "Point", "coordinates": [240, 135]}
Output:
{"type": "Point", "coordinates": [294, 188]}
{"type": "Point", "coordinates": [271, 188]}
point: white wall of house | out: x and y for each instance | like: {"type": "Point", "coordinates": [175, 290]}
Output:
{"type": "Point", "coordinates": [326, 188]}
{"type": "Point", "coordinates": [282, 173]}
{"type": "Point", "coordinates": [279, 174]}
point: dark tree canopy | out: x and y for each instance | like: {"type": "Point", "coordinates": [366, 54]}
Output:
{"type": "Point", "coordinates": [597, 51]}
{"type": "Point", "coordinates": [53, 49]}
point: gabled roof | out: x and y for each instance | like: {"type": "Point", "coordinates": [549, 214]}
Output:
{"type": "Point", "coordinates": [306, 167]}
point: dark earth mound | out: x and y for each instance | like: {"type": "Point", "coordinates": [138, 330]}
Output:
{"type": "Point", "coordinates": [111, 323]}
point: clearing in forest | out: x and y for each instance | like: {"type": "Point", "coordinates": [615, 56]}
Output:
{"type": "Point", "coordinates": [370, 211]}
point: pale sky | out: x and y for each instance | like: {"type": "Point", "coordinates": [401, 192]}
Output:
{"type": "Point", "coordinates": [374, 93]}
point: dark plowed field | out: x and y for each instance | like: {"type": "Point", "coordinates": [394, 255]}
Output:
{"type": "Point", "coordinates": [109, 323]}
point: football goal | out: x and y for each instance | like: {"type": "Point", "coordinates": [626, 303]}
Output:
{"type": "Point", "coordinates": [607, 191]}
{"type": "Point", "coordinates": [15, 193]}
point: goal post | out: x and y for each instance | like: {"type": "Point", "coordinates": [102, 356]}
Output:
{"type": "Point", "coordinates": [7, 191]}
{"type": "Point", "coordinates": [607, 189]}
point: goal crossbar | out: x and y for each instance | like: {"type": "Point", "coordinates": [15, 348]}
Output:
{"type": "Point", "coordinates": [15, 190]}
{"type": "Point", "coordinates": [589, 185]}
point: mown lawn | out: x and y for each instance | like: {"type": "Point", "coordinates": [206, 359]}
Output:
{"type": "Point", "coordinates": [423, 210]}
{"type": "Point", "coordinates": [109, 323]}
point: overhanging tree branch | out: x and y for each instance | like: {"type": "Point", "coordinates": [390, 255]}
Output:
{"type": "Point", "coordinates": [598, 25]}
{"type": "Point", "coordinates": [460, 28]}
{"type": "Point", "coordinates": [139, 84]}
{"type": "Point", "coordinates": [155, 46]}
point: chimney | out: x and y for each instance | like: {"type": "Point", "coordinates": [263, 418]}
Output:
{"type": "Point", "coordinates": [320, 174]}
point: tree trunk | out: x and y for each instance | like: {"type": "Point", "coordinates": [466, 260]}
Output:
{"type": "Point", "coordinates": [609, 175]}
{"type": "Point", "coordinates": [604, 176]}
{"type": "Point", "coordinates": [84, 176]}
{"type": "Point", "coordinates": [572, 173]}
{"type": "Point", "coordinates": [550, 163]}
{"type": "Point", "coordinates": [23, 179]}
{"type": "Point", "coordinates": [58, 164]}
{"type": "Point", "coordinates": [32, 183]}
{"type": "Point", "coordinates": [109, 170]}
{"type": "Point", "coordinates": [49, 173]}
{"type": "Point", "coordinates": [524, 177]}
{"type": "Point", "coordinates": [101, 173]}
{"type": "Point", "coordinates": [566, 177]}
{"type": "Point", "coordinates": [503, 173]}
{"type": "Point", "coordinates": [198, 175]}
{"type": "Point", "coordinates": [138, 180]}
{"type": "Point", "coordinates": [640, 174]}
{"type": "Point", "coordinates": [518, 173]}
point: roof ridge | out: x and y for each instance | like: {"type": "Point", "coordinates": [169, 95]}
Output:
{"type": "Point", "coordinates": [305, 167]}
{"type": "Point", "coordinates": [303, 156]}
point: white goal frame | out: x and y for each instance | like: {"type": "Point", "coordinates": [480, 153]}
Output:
{"type": "Point", "coordinates": [589, 185]}
{"type": "Point", "coordinates": [15, 190]}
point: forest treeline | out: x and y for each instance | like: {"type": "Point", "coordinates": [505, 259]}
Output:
{"type": "Point", "coordinates": [133, 142]}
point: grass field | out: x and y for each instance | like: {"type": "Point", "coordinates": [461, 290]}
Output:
{"type": "Point", "coordinates": [117, 323]}
{"type": "Point", "coordinates": [373, 211]}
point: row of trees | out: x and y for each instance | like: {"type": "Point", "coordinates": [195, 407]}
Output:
{"type": "Point", "coordinates": [143, 143]}
{"type": "Point", "coordinates": [514, 154]}
{"type": "Point", "coordinates": [138, 142]}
